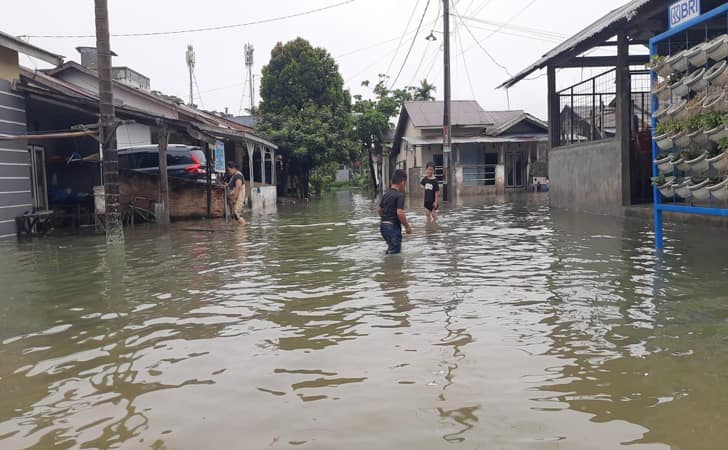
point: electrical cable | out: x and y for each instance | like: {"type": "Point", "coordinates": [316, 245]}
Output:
{"type": "Point", "coordinates": [196, 30]}
{"type": "Point", "coordinates": [486, 51]}
{"type": "Point", "coordinates": [427, 47]}
{"type": "Point", "coordinates": [404, 63]}
{"type": "Point", "coordinates": [401, 38]}
{"type": "Point", "coordinates": [465, 63]}
{"type": "Point", "coordinates": [197, 86]}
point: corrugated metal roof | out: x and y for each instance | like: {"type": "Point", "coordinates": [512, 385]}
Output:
{"type": "Point", "coordinates": [625, 12]}
{"type": "Point", "coordinates": [478, 139]}
{"type": "Point", "coordinates": [426, 114]}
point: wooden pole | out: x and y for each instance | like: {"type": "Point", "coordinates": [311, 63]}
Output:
{"type": "Point", "coordinates": [114, 228]}
{"type": "Point", "coordinates": [163, 138]}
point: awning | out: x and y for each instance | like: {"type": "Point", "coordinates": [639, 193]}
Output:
{"type": "Point", "coordinates": [478, 139]}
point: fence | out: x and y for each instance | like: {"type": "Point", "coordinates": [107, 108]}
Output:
{"type": "Point", "coordinates": [588, 108]}
{"type": "Point", "coordinates": [479, 175]}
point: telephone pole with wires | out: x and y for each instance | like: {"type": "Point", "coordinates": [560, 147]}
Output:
{"type": "Point", "coordinates": [446, 125]}
{"type": "Point", "coordinates": [190, 57]}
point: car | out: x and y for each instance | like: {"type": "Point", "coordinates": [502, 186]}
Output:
{"type": "Point", "coordinates": [183, 161]}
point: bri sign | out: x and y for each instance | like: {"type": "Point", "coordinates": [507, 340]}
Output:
{"type": "Point", "coordinates": [683, 11]}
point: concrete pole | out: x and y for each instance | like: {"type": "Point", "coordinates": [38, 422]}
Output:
{"type": "Point", "coordinates": [624, 115]}
{"type": "Point", "coordinates": [446, 126]}
{"type": "Point", "coordinates": [251, 148]}
{"type": "Point", "coordinates": [554, 109]}
{"type": "Point", "coordinates": [114, 228]}
{"type": "Point", "coordinates": [262, 164]}
{"type": "Point", "coordinates": [163, 139]}
{"type": "Point", "coordinates": [273, 166]}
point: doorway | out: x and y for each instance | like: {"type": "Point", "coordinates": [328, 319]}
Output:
{"type": "Point", "coordinates": [38, 183]}
{"type": "Point", "coordinates": [515, 168]}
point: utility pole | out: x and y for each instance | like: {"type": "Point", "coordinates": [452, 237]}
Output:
{"type": "Point", "coordinates": [114, 228]}
{"type": "Point", "coordinates": [446, 126]}
{"type": "Point", "coordinates": [248, 49]}
{"type": "Point", "coordinates": [190, 57]}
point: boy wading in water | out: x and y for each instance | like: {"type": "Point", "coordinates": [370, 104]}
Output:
{"type": "Point", "coordinates": [236, 186]}
{"type": "Point", "coordinates": [391, 210]}
{"type": "Point", "coordinates": [432, 192]}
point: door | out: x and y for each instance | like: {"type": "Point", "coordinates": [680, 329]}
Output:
{"type": "Point", "coordinates": [515, 169]}
{"type": "Point", "coordinates": [38, 184]}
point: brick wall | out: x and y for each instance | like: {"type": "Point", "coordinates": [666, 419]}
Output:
{"type": "Point", "coordinates": [187, 199]}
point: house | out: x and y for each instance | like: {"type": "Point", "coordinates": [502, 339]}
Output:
{"type": "Point", "coordinates": [493, 151]}
{"type": "Point", "coordinates": [18, 194]}
{"type": "Point", "coordinates": [603, 167]}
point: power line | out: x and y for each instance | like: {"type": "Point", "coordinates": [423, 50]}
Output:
{"type": "Point", "coordinates": [401, 38]}
{"type": "Point", "coordinates": [506, 23]}
{"type": "Point", "coordinates": [196, 30]}
{"type": "Point", "coordinates": [516, 28]}
{"type": "Point", "coordinates": [197, 86]}
{"type": "Point", "coordinates": [414, 38]}
{"type": "Point", "coordinates": [465, 63]}
{"type": "Point", "coordinates": [485, 51]}
{"type": "Point", "coordinates": [427, 47]}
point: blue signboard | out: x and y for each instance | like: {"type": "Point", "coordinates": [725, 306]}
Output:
{"type": "Point", "coordinates": [682, 11]}
{"type": "Point", "coordinates": [219, 157]}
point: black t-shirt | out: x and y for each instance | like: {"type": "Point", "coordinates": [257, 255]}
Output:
{"type": "Point", "coordinates": [431, 186]}
{"type": "Point", "coordinates": [391, 201]}
{"type": "Point", "coordinates": [233, 179]}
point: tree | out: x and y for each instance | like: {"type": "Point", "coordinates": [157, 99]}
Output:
{"type": "Point", "coordinates": [373, 116]}
{"type": "Point", "coordinates": [304, 109]}
{"type": "Point", "coordinates": [423, 92]}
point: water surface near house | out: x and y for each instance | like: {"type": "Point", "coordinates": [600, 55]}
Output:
{"type": "Point", "coordinates": [509, 325]}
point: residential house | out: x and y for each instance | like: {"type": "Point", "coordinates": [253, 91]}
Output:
{"type": "Point", "coordinates": [19, 193]}
{"type": "Point", "coordinates": [493, 151]}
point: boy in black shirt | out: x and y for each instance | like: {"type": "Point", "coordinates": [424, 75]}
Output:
{"type": "Point", "coordinates": [391, 210]}
{"type": "Point", "coordinates": [432, 192]}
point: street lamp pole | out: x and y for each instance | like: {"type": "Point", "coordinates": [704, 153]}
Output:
{"type": "Point", "coordinates": [446, 126]}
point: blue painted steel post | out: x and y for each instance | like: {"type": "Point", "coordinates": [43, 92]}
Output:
{"type": "Point", "coordinates": [657, 212]}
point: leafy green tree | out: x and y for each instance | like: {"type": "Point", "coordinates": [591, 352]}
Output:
{"type": "Point", "coordinates": [373, 117]}
{"type": "Point", "coordinates": [305, 110]}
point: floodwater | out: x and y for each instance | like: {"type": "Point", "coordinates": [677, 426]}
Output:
{"type": "Point", "coordinates": [506, 326]}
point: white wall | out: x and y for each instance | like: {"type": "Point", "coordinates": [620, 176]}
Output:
{"type": "Point", "coordinates": [133, 134]}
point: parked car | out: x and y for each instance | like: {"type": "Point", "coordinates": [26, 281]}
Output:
{"type": "Point", "coordinates": [183, 161]}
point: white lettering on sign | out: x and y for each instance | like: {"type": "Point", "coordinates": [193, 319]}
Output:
{"type": "Point", "coordinates": [683, 11]}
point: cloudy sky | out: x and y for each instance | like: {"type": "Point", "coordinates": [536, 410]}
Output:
{"type": "Point", "coordinates": [367, 37]}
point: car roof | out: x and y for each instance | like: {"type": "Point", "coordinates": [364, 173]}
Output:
{"type": "Point", "coordinates": [155, 148]}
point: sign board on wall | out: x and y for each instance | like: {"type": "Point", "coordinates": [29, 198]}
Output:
{"type": "Point", "coordinates": [682, 11]}
{"type": "Point", "coordinates": [219, 157]}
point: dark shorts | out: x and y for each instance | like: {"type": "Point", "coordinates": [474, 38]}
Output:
{"type": "Point", "coordinates": [430, 206]}
{"type": "Point", "coordinates": [392, 235]}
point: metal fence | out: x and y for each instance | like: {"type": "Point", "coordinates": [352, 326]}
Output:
{"type": "Point", "coordinates": [479, 175]}
{"type": "Point", "coordinates": [588, 108]}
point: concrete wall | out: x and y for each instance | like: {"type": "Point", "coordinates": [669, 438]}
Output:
{"type": "Point", "coordinates": [133, 134]}
{"type": "Point", "coordinates": [15, 192]}
{"type": "Point", "coordinates": [187, 199]}
{"type": "Point", "coordinates": [587, 177]}
{"type": "Point", "coordinates": [263, 198]}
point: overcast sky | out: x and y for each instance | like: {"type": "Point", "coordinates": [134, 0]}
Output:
{"type": "Point", "coordinates": [354, 33]}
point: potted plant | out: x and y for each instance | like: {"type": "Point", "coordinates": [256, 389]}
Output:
{"type": "Point", "coordinates": [695, 160]}
{"type": "Point", "coordinates": [718, 157]}
{"type": "Point", "coordinates": [698, 56]}
{"type": "Point", "coordinates": [657, 64]}
{"type": "Point", "coordinates": [681, 188]}
{"type": "Point", "coordinates": [678, 110]}
{"type": "Point", "coordinates": [677, 62]}
{"type": "Point", "coordinates": [664, 185]}
{"type": "Point", "coordinates": [699, 188]}
{"type": "Point", "coordinates": [663, 132]}
{"type": "Point", "coordinates": [695, 134]}
{"type": "Point", "coordinates": [678, 162]}
{"type": "Point", "coordinates": [717, 49]}
{"type": "Point", "coordinates": [717, 75]}
{"type": "Point", "coordinates": [663, 163]}
{"type": "Point", "coordinates": [716, 102]}
{"type": "Point", "coordinates": [720, 131]}
{"type": "Point", "coordinates": [695, 80]}
{"type": "Point", "coordinates": [677, 85]}
{"type": "Point", "coordinates": [719, 190]}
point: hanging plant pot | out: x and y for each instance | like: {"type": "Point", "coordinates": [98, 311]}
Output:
{"type": "Point", "coordinates": [664, 141]}
{"type": "Point", "coordinates": [661, 91]}
{"type": "Point", "coordinates": [660, 113]}
{"type": "Point", "coordinates": [717, 49]}
{"type": "Point", "coordinates": [699, 164]}
{"type": "Point", "coordinates": [678, 162]}
{"type": "Point", "coordinates": [719, 162]}
{"type": "Point", "coordinates": [677, 62]}
{"type": "Point", "coordinates": [695, 81]}
{"type": "Point", "coordinates": [697, 138]}
{"type": "Point", "coordinates": [681, 189]}
{"type": "Point", "coordinates": [717, 76]}
{"type": "Point", "coordinates": [667, 188]}
{"type": "Point", "coordinates": [695, 106]}
{"type": "Point", "coordinates": [678, 110]}
{"type": "Point", "coordinates": [698, 56]}
{"type": "Point", "coordinates": [664, 165]}
{"type": "Point", "coordinates": [719, 191]}
{"type": "Point", "coordinates": [679, 88]}
{"type": "Point", "coordinates": [700, 191]}
{"type": "Point", "coordinates": [717, 133]}
{"type": "Point", "coordinates": [716, 102]}
{"type": "Point", "coordinates": [681, 139]}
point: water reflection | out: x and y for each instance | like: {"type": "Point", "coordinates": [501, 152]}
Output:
{"type": "Point", "coordinates": [505, 324]}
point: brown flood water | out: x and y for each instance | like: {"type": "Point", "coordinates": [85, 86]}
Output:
{"type": "Point", "coordinates": [507, 326]}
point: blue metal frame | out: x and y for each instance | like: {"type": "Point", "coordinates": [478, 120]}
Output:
{"type": "Point", "coordinates": [660, 207]}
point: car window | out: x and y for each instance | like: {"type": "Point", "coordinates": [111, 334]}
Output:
{"type": "Point", "coordinates": [179, 158]}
